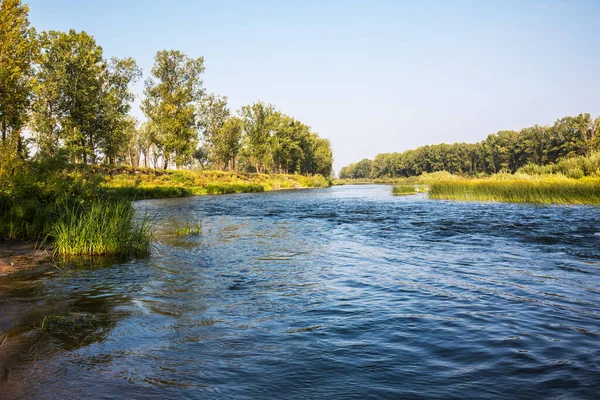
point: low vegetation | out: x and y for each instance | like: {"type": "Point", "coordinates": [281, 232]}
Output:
{"type": "Point", "coordinates": [140, 183]}
{"type": "Point", "coordinates": [189, 230]}
{"type": "Point", "coordinates": [520, 189]}
{"type": "Point", "coordinates": [100, 228]}
{"type": "Point", "coordinates": [85, 210]}
{"type": "Point", "coordinates": [64, 142]}
{"type": "Point", "coordinates": [400, 190]}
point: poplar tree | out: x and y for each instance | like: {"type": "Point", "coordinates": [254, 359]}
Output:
{"type": "Point", "coordinates": [172, 93]}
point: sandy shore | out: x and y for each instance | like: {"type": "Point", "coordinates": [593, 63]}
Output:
{"type": "Point", "coordinates": [23, 258]}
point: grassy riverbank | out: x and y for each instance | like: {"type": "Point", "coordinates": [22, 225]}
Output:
{"type": "Point", "coordinates": [138, 183]}
{"type": "Point", "coordinates": [520, 189]}
{"type": "Point", "coordinates": [401, 190]}
{"type": "Point", "coordinates": [423, 179]}
{"type": "Point", "coordinates": [541, 188]}
{"type": "Point", "coordinates": [85, 210]}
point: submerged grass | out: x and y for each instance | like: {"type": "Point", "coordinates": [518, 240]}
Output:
{"type": "Point", "coordinates": [519, 189]}
{"type": "Point", "coordinates": [189, 230]}
{"type": "Point", "coordinates": [101, 228]}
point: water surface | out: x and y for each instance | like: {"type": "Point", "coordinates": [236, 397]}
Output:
{"type": "Point", "coordinates": [346, 292]}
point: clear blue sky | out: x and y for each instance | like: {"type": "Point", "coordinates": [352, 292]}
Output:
{"type": "Point", "coordinates": [371, 76]}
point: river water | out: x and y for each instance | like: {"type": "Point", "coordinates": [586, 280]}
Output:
{"type": "Point", "coordinates": [345, 292]}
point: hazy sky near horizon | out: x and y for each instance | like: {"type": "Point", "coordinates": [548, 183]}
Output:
{"type": "Point", "coordinates": [371, 76]}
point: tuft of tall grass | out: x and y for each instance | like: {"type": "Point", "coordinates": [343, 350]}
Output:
{"type": "Point", "coordinates": [401, 190]}
{"type": "Point", "coordinates": [189, 230]}
{"type": "Point", "coordinates": [515, 190]}
{"type": "Point", "coordinates": [101, 228]}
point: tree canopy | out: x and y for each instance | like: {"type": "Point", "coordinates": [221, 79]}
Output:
{"type": "Point", "coordinates": [504, 151]}
{"type": "Point", "coordinates": [76, 104]}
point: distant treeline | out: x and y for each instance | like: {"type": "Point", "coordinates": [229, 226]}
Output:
{"type": "Point", "coordinates": [75, 104]}
{"type": "Point", "coordinates": [505, 151]}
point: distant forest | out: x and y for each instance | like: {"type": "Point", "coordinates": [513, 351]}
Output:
{"type": "Point", "coordinates": [60, 97]}
{"type": "Point", "coordinates": [505, 151]}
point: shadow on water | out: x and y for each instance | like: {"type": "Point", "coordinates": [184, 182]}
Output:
{"type": "Point", "coordinates": [45, 317]}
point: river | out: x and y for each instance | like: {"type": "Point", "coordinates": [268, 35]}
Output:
{"type": "Point", "coordinates": [345, 292]}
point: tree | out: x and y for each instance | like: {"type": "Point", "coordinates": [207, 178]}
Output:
{"type": "Point", "coordinates": [18, 49]}
{"type": "Point", "coordinates": [323, 158]}
{"type": "Point", "coordinates": [289, 144]}
{"type": "Point", "coordinates": [68, 94]}
{"type": "Point", "coordinates": [258, 124]}
{"type": "Point", "coordinates": [171, 95]}
{"type": "Point", "coordinates": [227, 142]}
{"type": "Point", "coordinates": [212, 114]}
{"type": "Point", "coordinates": [114, 125]}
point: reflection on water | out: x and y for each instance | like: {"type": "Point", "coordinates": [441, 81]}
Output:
{"type": "Point", "coordinates": [345, 292]}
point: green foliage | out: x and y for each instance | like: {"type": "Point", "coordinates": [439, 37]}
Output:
{"type": "Point", "coordinates": [505, 151]}
{"type": "Point", "coordinates": [100, 228]}
{"type": "Point", "coordinates": [170, 103]}
{"type": "Point", "coordinates": [359, 170]}
{"type": "Point", "coordinates": [189, 230]}
{"type": "Point", "coordinates": [259, 122]}
{"type": "Point", "coordinates": [18, 48]}
{"type": "Point", "coordinates": [520, 189]}
{"type": "Point", "coordinates": [115, 127]}
{"type": "Point", "coordinates": [81, 100]}
{"type": "Point", "coordinates": [404, 189]}
{"type": "Point", "coordinates": [143, 184]}
{"type": "Point", "coordinates": [575, 167]}
{"type": "Point", "coordinates": [32, 193]}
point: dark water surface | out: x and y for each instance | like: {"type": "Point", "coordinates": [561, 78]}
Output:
{"type": "Point", "coordinates": [345, 292]}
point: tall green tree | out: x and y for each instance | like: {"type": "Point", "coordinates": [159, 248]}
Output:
{"type": "Point", "coordinates": [68, 94]}
{"type": "Point", "coordinates": [258, 126]}
{"type": "Point", "coordinates": [227, 142]}
{"type": "Point", "coordinates": [114, 125]}
{"type": "Point", "coordinates": [170, 103]}
{"type": "Point", "coordinates": [212, 114]}
{"type": "Point", "coordinates": [18, 49]}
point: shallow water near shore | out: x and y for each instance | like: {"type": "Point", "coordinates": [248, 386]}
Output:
{"type": "Point", "coordinates": [345, 292]}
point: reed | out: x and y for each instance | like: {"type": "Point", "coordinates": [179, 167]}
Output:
{"type": "Point", "coordinates": [101, 228]}
{"type": "Point", "coordinates": [516, 189]}
{"type": "Point", "coordinates": [189, 230]}
{"type": "Point", "coordinates": [402, 190]}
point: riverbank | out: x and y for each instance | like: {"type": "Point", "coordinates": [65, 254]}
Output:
{"type": "Point", "coordinates": [84, 209]}
{"type": "Point", "coordinates": [20, 258]}
{"type": "Point", "coordinates": [145, 183]}
{"type": "Point", "coordinates": [520, 189]}
{"type": "Point", "coordinates": [511, 188]}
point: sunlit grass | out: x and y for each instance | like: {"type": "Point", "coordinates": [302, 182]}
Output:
{"type": "Point", "coordinates": [519, 189]}
{"type": "Point", "coordinates": [189, 230]}
{"type": "Point", "coordinates": [145, 184]}
{"type": "Point", "coordinates": [400, 190]}
{"type": "Point", "coordinates": [101, 228]}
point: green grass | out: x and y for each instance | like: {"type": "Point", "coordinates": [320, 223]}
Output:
{"type": "Point", "coordinates": [101, 228]}
{"type": "Point", "coordinates": [400, 190]}
{"type": "Point", "coordinates": [427, 178]}
{"type": "Point", "coordinates": [81, 210]}
{"type": "Point", "coordinates": [148, 183]}
{"type": "Point", "coordinates": [574, 167]}
{"type": "Point", "coordinates": [189, 230]}
{"type": "Point", "coordinates": [518, 189]}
